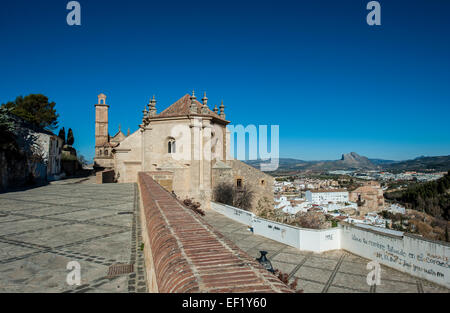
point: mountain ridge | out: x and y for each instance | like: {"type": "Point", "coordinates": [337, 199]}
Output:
{"type": "Point", "coordinates": [354, 161]}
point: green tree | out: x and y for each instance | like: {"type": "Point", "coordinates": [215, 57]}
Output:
{"type": "Point", "coordinates": [6, 127]}
{"type": "Point", "coordinates": [70, 138]}
{"type": "Point", "coordinates": [36, 109]}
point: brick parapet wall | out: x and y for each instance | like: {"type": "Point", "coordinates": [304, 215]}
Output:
{"type": "Point", "coordinates": [186, 254]}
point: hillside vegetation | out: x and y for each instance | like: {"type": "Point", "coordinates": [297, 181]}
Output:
{"type": "Point", "coordinates": [432, 198]}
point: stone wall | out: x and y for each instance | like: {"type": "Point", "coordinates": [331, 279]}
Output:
{"type": "Point", "coordinates": [163, 178]}
{"type": "Point", "coordinates": [14, 169]}
{"type": "Point", "coordinates": [185, 254]}
{"type": "Point", "coordinates": [259, 182]}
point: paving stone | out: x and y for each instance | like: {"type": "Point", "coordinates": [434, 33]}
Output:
{"type": "Point", "coordinates": [309, 286]}
{"type": "Point", "coordinates": [354, 267]}
{"type": "Point", "coordinates": [26, 225]}
{"type": "Point", "coordinates": [285, 268]}
{"type": "Point", "coordinates": [335, 289]}
{"type": "Point", "coordinates": [35, 249]}
{"type": "Point", "coordinates": [84, 215]}
{"type": "Point", "coordinates": [316, 261]}
{"type": "Point", "coordinates": [8, 251]}
{"type": "Point", "coordinates": [351, 281]}
{"type": "Point", "coordinates": [394, 287]}
{"type": "Point", "coordinates": [289, 258]}
{"type": "Point", "coordinates": [315, 274]}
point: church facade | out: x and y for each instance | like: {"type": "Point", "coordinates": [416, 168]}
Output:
{"type": "Point", "coordinates": [186, 148]}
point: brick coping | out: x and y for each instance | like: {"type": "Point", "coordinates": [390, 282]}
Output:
{"type": "Point", "coordinates": [189, 255]}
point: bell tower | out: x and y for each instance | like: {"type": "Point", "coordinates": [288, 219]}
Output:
{"type": "Point", "coordinates": [101, 123]}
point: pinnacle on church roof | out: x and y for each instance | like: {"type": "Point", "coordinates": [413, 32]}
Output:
{"type": "Point", "coordinates": [216, 109]}
{"type": "Point", "coordinates": [152, 107]}
{"type": "Point", "coordinates": [222, 110]}
{"type": "Point", "coordinates": [193, 107]}
{"type": "Point", "coordinates": [205, 104]}
{"type": "Point", "coordinates": [145, 111]}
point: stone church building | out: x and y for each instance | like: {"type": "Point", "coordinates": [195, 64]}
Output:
{"type": "Point", "coordinates": [186, 147]}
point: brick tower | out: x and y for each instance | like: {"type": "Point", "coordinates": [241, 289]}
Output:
{"type": "Point", "coordinates": [101, 132]}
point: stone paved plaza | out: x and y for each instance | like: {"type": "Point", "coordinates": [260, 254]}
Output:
{"type": "Point", "coordinates": [44, 228]}
{"type": "Point", "coordinates": [333, 271]}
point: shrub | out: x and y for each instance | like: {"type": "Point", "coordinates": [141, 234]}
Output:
{"type": "Point", "coordinates": [241, 197]}
{"type": "Point", "coordinates": [285, 279]}
{"type": "Point", "coordinates": [68, 157]}
{"type": "Point", "coordinates": [194, 206]}
{"type": "Point", "coordinates": [224, 193]}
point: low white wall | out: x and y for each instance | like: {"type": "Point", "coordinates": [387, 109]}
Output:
{"type": "Point", "coordinates": [236, 214]}
{"type": "Point", "coordinates": [316, 240]}
{"type": "Point", "coordinates": [320, 240]}
{"type": "Point", "coordinates": [414, 255]}
{"type": "Point", "coordinates": [410, 254]}
{"type": "Point", "coordinates": [283, 233]}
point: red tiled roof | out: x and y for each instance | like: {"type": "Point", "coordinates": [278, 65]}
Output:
{"type": "Point", "coordinates": [182, 107]}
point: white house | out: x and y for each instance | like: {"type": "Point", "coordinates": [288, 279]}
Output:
{"type": "Point", "coordinates": [321, 196]}
{"type": "Point", "coordinates": [395, 208]}
{"type": "Point", "coordinates": [291, 206]}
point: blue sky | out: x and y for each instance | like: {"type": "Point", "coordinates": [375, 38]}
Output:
{"type": "Point", "coordinates": [332, 83]}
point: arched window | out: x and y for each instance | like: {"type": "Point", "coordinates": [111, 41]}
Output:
{"type": "Point", "coordinates": [171, 146]}
{"type": "Point", "coordinates": [106, 152]}
{"type": "Point", "coordinates": [239, 183]}
{"type": "Point", "coordinates": [99, 152]}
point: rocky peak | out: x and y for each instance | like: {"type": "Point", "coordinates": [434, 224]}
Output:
{"type": "Point", "coordinates": [355, 159]}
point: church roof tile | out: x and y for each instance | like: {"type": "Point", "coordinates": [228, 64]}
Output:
{"type": "Point", "coordinates": [182, 107]}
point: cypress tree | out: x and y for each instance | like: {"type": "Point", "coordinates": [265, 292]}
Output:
{"type": "Point", "coordinates": [70, 138]}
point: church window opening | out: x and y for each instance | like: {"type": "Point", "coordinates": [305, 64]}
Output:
{"type": "Point", "coordinates": [239, 183]}
{"type": "Point", "coordinates": [171, 146]}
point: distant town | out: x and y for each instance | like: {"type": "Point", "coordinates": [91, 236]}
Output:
{"type": "Point", "coordinates": [353, 196]}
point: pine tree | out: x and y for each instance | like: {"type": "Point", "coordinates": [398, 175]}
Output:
{"type": "Point", "coordinates": [36, 109]}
